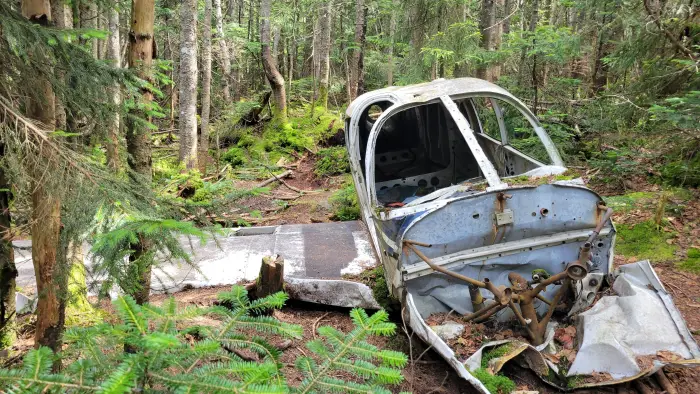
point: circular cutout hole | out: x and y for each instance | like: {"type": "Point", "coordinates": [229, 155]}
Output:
{"type": "Point", "coordinates": [434, 181]}
{"type": "Point", "coordinates": [475, 216]}
{"type": "Point", "coordinates": [600, 244]}
{"type": "Point", "coordinates": [544, 211]}
{"type": "Point", "coordinates": [382, 159]}
{"type": "Point", "coordinates": [422, 183]}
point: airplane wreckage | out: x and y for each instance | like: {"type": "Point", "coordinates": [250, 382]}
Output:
{"type": "Point", "coordinates": [482, 235]}
{"type": "Point", "coordinates": [496, 253]}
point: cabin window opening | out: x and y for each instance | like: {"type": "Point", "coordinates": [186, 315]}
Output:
{"type": "Point", "coordinates": [365, 124]}
{"type": "Point", "coordinates": [418, 151]}
{"type": "Point", "coordinates": [510, 143]}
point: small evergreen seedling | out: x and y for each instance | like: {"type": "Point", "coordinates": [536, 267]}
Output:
{"type": "Point", "coordinates": [161, 349]}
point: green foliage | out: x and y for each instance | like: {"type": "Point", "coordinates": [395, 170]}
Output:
{"type": "Point", "coordinates": [644, 241]}
{"type": "Point", "coordinates": [147, 351]}
{"type": "Point", "coordinates": [682, 172]}
{"type": "Point", "coordinates": [345, 204]}
{"type": "Point", "coordinates": [332, 161]}
{"type": "Point", "coordinates": [115, 256]}
{"type": "Point", "coordinates": [494, 383]}
{"type": "Point", "coordinates": [380, 289]}
{"type": "Point", "coordinates": [617, 165]}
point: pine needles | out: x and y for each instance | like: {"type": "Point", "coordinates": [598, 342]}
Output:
{"type": "Point", "coordinates": [148, 351]}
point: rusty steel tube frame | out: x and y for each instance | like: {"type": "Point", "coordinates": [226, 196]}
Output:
{"type": "Point", "coordinates": [527, 313]}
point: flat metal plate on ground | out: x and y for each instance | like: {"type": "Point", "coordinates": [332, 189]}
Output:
{"type": "Point", "coordinates": [310, 251]}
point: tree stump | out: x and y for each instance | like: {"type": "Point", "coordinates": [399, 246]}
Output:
{"type": "Point", "coordinates": [271, 278]}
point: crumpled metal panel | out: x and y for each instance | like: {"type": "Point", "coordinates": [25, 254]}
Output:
{"type": "Point", "coordinates": [634, 323]}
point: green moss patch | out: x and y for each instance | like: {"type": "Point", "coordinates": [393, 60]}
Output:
{"type": "Point", "coordinates": [493, 353]}
{"type": "Point", "coordinates": [332, 161]}
{"type": "Point", "coordinates": [345, 203]}
{"type": "Point", "coordinates": [628, 201]}
{"type": "Point", "coordinates": [692, 263]}
{"type": "Point", "coordinates": [644, 241]}
{"type": "Point", "coordinates": [494, 383]}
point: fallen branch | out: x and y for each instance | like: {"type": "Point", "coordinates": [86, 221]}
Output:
{"type": "Point", "coordinates": [274, 178]}
{"type": "Point", "coordinates": [313, 327]}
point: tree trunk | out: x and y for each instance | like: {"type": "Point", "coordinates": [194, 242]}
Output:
{"type": "Point", "coordinates": [46, 209]}
{"type": "Point", "coordinates": [490, 38]}
{"type": "Point", "coordinates": [206, 84]}
{"type": "Point", "coordinates": [88, 20]}
{"type": "Point", "coordinates": [324, 51]}
{"type": "Point", "coordinates": [223, 52]}
{"type": "Point", "coordinates": [271, 277]}
{"type": "Point", "coordinates": [271, 72]}
{"type": "Point", "coordinates": [114, 56]}
{"type": "Point", "coordinates": [138, 136]}
{"type": "Point", "coordinates": [8, 270]}
{"type": "Point", "coordinates": [392, 32]}
{"type": "Point", "coordinates": [357, 61]}
{"type": "Point", "coordinates": [188, 83]}
{"type": "Point", "coordinates": [62, 16]}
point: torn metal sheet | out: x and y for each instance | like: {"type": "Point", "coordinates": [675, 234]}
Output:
{"type": "Point", "coordinates": [635, 323]}
{"type": "Point", "coordinates": [311, 252]}
{"type": "Point", "coordinates": [468, 219]}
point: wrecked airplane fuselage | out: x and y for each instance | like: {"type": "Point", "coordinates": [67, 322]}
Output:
{"type": "Point", "coordinates": [473, 216]}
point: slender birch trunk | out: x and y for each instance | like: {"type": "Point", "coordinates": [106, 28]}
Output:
{"type": "Point", "coordinates": [324, 51]}
{"type": "Point", "coordinates": [113, 55]}
{"type": "Point", "coordinates": [223, 51]}
{"type": "Point", "coordinates": [188, 83]}
{"type": "Point", "coordinates": [206, 84]}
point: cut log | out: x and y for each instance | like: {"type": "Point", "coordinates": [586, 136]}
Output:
{"type": "Point", "coordinates": [271, 278]}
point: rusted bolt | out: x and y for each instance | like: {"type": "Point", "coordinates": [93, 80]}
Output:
{"type": "Point", "coordinates": [593, 282]}
{"type": "Point", "coordinates": [544, 211]}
